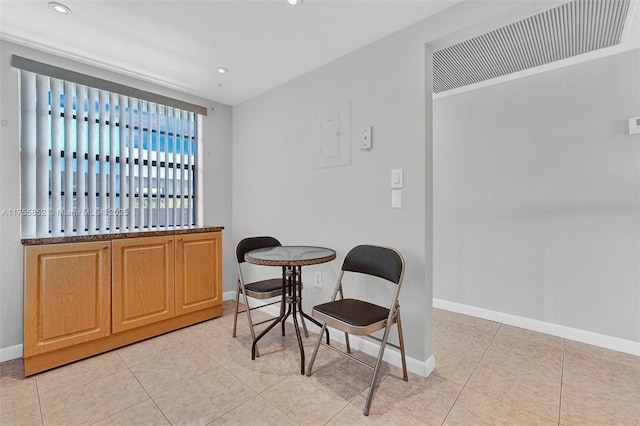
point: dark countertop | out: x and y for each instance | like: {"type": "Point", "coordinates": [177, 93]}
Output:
{"type": "Point", "coordinates": [117, 236]}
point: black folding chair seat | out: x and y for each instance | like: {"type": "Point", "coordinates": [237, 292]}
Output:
{"type": "Point", "coordinates": [265, 289]}
{"type": "Point", "coordinates": [357, 316]}
{"type": "Point", "coordinates": [360, 317]}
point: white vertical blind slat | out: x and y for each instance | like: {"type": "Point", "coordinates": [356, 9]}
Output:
{"type": "Point", "coordinates": [132, 167]}
{"type": "Point", "coordinates": [92, 186]}
{"type": "Point", "coordinates": [139, 168]}
{"type": "Point", "coordinates": [198, 207]}
{"type": "Point", "coordinates": [81, 96]}
{"type": "Point", "coordinates": [113, 144]}
{"type": "Point", "coordinates": [43, 136]}
{"type": "Point", "coordinates": [68, 158]}
{"type": "Point", "coordinates": [176, 166]}
{"type": "Point", "coordinates": [156, 171]}
{"type": "Point", "coordinates": [184, 161]}
{"type": "Point", "coordinates": [190, 212]}
{"type": "Point", "coordinates": [167, 119]}
{"type": "Point", "coordinates": [149, 181]}
{"type": "Point", "coordinates": [103, 128]}
{"type": "Point", "coordinates": [124, 201]}
{"type": "Point", "coordinates": [56, 184]}
{"type": "Point", "coordinates": [28, 156]}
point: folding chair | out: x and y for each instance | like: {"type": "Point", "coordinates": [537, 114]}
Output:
{"type": "Point", "coordinates": [359, 317]}
{"type": "Point", "coordinates": [260, 290]}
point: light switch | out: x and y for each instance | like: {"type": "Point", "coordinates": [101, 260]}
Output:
{"type": "Point", "coordinates": [396, 198]}
{"type": "Point", "coordinates": [365, 137]}
{"type": "Point", "coordinates": [397, 178]}
{"type": "Point", "coordinates": [634, 125]}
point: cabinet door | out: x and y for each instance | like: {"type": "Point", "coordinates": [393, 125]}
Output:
{"type": "Point", "coordinates": [198, 271]}
{"type": "Point", "coordinates": [66, 295]}
{"type": "Point", "coordinates": [142, 281]}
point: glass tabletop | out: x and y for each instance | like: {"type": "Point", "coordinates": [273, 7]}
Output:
{"type": "Point", "coordinates": [290, 255]}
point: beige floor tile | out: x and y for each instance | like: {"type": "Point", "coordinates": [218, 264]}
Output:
{"type": "Point", "coordinates": [474, 408]}
{"type": "Point", "coordinates": [455, 366]}
{"type": "Point", "coordinates": [257, 411]}
{"type": "Point", "coordinates": [507, 332]}
{"type": "Point", "coordinates": [225, 349]}
{"type": "Point", "coordinates": [333, 366]}
{"type": "Point", "coordinates": [215, 327]}
{"type": "Point", "coordinates": [598, 353]}
{"type": "Point", "coordinates": [427, 399]}
{"type": "Point", "coordinates": [200, 374]}
{"type": "Point", "coordinates": [263, 372]}
{"type": "Point", "coordinates": [156, 365]}
{"type": "Point", "coordinates": [519, 388]}
{"type": "Point", "coordinates": [463, 335]}
{"type": "Point", "coordinates": [165, 350]}
{"type": "Point", "coordinates": [19, 403]}
{"type": "Point", "coordinates": [80, 373]}
{"type": "Point", "coordinates": [469, 321]}
{"type": "Point", "coordinates": [527, 352]}
{"type": "Point", "coordinates": [89, 401]}
{"type": "Point", "coordinates": [580, 407]}
{"type": "Point", "coordinates": [143, 414]}
{"type": "Point", "coordinates": [198, 397]}
{"type": "Point", "coordinates": [306, 400]}
{"type": "Point", "coordinates": [598, 370]}
{"type": "Point", "coordinates": [379, 415]}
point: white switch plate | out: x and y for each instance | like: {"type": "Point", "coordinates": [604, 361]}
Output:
{"type": "Point", "coordinates": [634, 125]}
{"type": "Point", "coordinates": [396, 198]}
{"type": "Point", "coordinates": [317, 279]}
{"type": "Point", "coordinates": [365, 137]}
{"type": "Point", "coordinates": [397, 178]}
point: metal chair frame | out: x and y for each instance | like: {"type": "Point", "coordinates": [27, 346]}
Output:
{"type": "Point", "coordinates": [245, 289]}
{"type": "Point", "coordinates": [364, 329]}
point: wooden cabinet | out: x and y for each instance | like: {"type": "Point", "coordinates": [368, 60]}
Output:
{"type": "Point", "coordinates": [84, 298]}
{"type": "Point", "coordinates": [143, 281]}
{"type": "Point", "coordinates": [198, 272]}
{"type": "Point", "coordinates": [66, 295]}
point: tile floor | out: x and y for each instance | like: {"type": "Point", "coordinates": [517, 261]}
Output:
{"type": "Point", "coordinates": [487, 373]}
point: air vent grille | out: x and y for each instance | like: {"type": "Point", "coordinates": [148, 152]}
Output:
{"type": "Point", "coordinates": [571, 29]}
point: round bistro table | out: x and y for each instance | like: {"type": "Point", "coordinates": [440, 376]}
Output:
{"type": "Point", "coordinates": [291, 259]}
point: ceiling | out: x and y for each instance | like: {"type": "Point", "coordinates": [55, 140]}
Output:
{"type": "Point", "coordinates": [179, 44]}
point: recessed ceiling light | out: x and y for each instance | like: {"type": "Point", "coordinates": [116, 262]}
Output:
{"type": "Point", "coordinates": [294, 2]}
{"type": "Point", "coordinates": [60, 8]}
{"type": "Point", "coordinates": [222, 70]}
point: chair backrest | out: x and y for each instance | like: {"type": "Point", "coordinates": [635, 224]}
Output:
{"type": "Point", "coordinates": [381, 262]}
{"type": "Point", "coordinates": [253, 243]}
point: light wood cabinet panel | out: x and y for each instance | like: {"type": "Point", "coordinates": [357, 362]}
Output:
{"type": "Point", "coordinates": [66, 295]}
{"type": "Point", "coordinates": [142, 281]}
{"type": "Point", "coordinates": [198, 274]}
{"type": "Point", "coordinates": [86, 297]}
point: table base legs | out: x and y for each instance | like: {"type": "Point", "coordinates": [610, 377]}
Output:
{"type": "Point", "coordinates": [290, 277]}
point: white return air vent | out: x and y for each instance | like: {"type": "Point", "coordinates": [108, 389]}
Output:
{"type": "Point", "coordinates": [571, 29]}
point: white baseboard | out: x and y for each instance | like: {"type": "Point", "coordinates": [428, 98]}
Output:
{"type": "Point", "coordinates": [368, 346]}
{"type": "Point", "coordinates": [11, 352]}
{"type": "Point", "coordinates": [229, 295]}
{"type": "Point", "coordinates": [609, 342]}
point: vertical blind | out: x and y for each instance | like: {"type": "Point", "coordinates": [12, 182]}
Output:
{"type": "Point", "coordinates": [95, 161]}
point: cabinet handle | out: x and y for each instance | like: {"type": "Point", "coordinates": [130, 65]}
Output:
{"type": "Point", "coordinates": [104, 247]}
{"type": "Point", "coordinates": [170, 240]}
{"type": "Point", "coordinates": [179, 239]}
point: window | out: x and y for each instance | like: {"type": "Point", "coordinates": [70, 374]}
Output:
{"type": "Point", "coordinates": [103, 161]}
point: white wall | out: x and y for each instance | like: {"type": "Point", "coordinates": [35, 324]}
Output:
{"type": "Point", "coordinates": [217, 178]}
{"type": "Point", "coordinates": [537, 197]}
{"type": "Point", "coordinates": [276, 191]}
